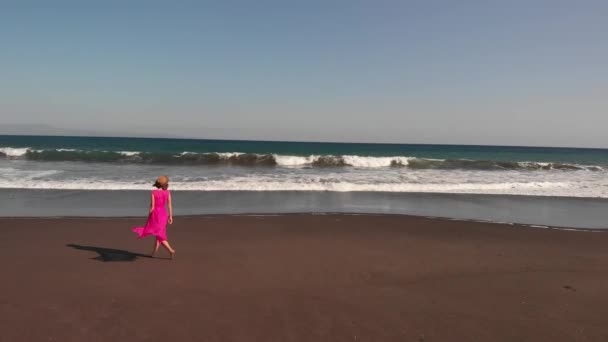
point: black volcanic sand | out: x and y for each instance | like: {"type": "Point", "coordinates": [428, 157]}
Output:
{"type": "Point", "coordinates": [302, 278]}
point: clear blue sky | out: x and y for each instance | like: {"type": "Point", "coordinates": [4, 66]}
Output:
{"type": "Point", "coordinates": [482, 72]}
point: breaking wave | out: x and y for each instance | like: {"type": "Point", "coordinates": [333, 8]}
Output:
{"type": "Point", "coordinates": [253, 159]}
{"type": "Point", "coordinates": [260, 184]}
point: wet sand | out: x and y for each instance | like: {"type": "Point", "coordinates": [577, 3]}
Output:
{"type": "Point", "coordinates": [302, 278]}
{"type": "Point", "coordinates": [578, 212]}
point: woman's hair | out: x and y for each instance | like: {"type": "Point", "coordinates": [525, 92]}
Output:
{"type": "Point", "coordinates": [158, 185]}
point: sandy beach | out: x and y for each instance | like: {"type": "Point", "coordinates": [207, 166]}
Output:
{"type": "Point", "coordinates": [302, 278]}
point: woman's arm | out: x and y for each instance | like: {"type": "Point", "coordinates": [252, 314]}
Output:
{"type": "Point", "coordinates": [151, 202]}
{"type": "Point", "coordinates": [170, 210]}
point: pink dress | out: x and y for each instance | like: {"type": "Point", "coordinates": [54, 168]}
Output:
{"type": "Point", "coordinates": [157, 221]}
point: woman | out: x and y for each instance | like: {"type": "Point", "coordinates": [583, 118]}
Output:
{"type": "Point", "coordinates": [158, 218]}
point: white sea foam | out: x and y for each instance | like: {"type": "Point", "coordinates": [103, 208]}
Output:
{"type": "Point", "coordinates": [290, 161]}
{"type": "Point", "coordinates": [375, 162]}
{"type": "Point", "coordinates": [229, 154]}
{"type": "Point", "coordinates": [128, 153]}
{"type": "Point", "coordinates": [326, 173]}
{"type": "Point", "coordinates": [350, 160]}
{"type": "Point", "coordinates": [19, 152]}
{"type": "Point", "coordinates": [222, 155]}
{"type": "Point", "coordinates": [284, 160]}
{"type": "Point", "coordinates": [249, 184]}
{"type": "Point", "coordinates": [14, 151]}
{"type": "Point", "coordinates": [18, 176]}
{"type": "Point", "coordinates": [241, 183]}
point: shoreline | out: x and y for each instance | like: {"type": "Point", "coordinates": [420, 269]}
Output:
{"type": "Point", "coordinates": [579, 213]}
{"type": "Point", "coordinates": [173, 189]}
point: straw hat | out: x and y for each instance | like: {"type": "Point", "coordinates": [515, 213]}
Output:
{"type": "Point", "coordinates": [162, 180]}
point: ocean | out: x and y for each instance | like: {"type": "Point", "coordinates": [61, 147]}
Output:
{"type": "Point", "coordinates": [93, 163]}
{"type": "Point", "coordinates": [124, 165]}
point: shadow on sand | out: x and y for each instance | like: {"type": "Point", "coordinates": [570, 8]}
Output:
{"type": "Point", "coordinates": [109, 254]}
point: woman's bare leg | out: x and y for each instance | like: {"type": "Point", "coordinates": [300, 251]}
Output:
{"type": "Point", "coordinates": [168, 247]}
{"type": "Point", "coordinates": [156, 246]}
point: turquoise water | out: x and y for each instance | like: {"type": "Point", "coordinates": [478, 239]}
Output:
{"type": "Point", "coordinates": [64, 175]}
{"type": "Point", "coordinates": [175, 146]}
{"type": "Point", "coordinates": [93, 163]}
